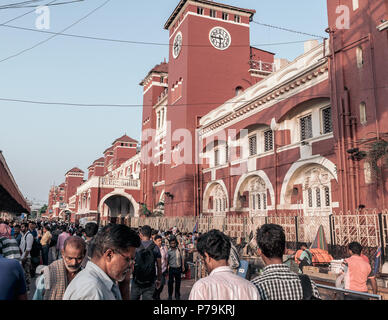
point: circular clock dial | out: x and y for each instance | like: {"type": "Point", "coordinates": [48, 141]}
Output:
{"type": "Point", "coordinates": [220, 38]}
{"type": "Point", "coordinates": [177, 45]}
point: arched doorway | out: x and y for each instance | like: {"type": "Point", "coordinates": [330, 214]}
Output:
{"type": "Point", "coordinates": [116, 207]}
{"type": "Point", "coordinates": [312, 184]}
{"type": "Point", "coordinates": [254, 193]}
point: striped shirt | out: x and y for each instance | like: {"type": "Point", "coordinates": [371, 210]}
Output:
{"type": "Point", "coordinates": [9, 248]}
{"type": "Point", "coordinates": [278, 282]}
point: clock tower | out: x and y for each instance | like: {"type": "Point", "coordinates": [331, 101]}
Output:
{"type": "Point", "coordinates": [208, 63]}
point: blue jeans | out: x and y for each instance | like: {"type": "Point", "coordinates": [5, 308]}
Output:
{"type": "Point", "coordinates": [45, 253]}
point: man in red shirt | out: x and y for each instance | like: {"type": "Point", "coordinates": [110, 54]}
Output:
{"type": "Point", "coordinates": [358, 273]}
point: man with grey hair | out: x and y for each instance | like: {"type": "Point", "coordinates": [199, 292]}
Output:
{"type": "Point", "coordinates": [58, 275]}
{"type": "Point", "coordinates": [107, 275]}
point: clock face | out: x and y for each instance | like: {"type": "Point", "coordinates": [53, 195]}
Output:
{"type": "Point", "coordinates": [177, 45]}
{"type": "Point", "coordinates": [220, 38]}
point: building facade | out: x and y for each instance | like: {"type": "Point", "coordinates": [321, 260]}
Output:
{"type": "Point", "coordinates": [228, 129]}
{"type": "Point", "coordinates": [109, 194]}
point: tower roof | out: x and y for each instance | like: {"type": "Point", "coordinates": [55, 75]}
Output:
{"type": "Point", "coordinates": [75, 170]}
{"type": "Point", "coordinates": [209, 2]}
{"type": "Point", "coordinates": [124, 138]}
{"type": "Point", "coordinates": [102, 159]}
{"type": "Point", "coordinates": [108, 149]}
{"type": "Point", "coordinates": [159, 68]}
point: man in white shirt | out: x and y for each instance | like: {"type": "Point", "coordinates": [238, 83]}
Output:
{"type": "Point", "coordinates": [25, 247]}
{"type": "Point", "coordinates": [107, 274]}
{"type": "Point", "coordinates": [222, 283]}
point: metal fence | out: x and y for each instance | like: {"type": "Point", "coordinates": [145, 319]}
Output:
{"type": "Point", "coordinates": [368, 228]}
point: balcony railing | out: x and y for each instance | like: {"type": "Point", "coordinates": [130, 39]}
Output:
{"type": "Point", "coordinates": [261, 67]}
{"type": "Point", "coordinates": [124, 183]}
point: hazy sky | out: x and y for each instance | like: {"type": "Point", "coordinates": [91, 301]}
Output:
{"type": "Point", "coordinates": [42, 142]}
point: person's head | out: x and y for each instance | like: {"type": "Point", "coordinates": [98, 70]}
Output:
{"type": "Point", "coordinates": [153, 234]}
{"type": "Point", "coordinates": [145, 232]}
{"type": "Point", "coordinates": [214, 248]}
{"type": "Point", "coordinates": [354, 248]}
{"type": "Point", "coordinates": [271, 241]}
{"type": "Point", "coordinates": [32, 226]}
{"type": "Point", "coordinates": [173, 242]}
{"type": "Point", "coordinates": [73, 252]}
{"type": "Point", "coordinates": [114, 250]}
{"type": "Point", "coordinates": [46, 228]}
{"type": "Point", "coordinates": [16, 229]}
{"type": "Point", "coordinates": [303, 246]}
{"type": "Point", "coordinates": [91, 229]}
{"type": "Point", "coordinates": [158, 240]}
{"type": "Point", "coordinates": [5, 231]}
{"type": "Point", "coordinates": [24, 227]}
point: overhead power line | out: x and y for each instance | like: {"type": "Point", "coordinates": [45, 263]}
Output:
{"type": "Point", "coordinates": [22, 15]}
{"type": "Point", "coordinates": [287, 29]}
{"type": "Point", "coordinates": [137, 42]}
{"type": "Point", "coordinates": [149, 105]}
{"type": "Point", "coordinates": [48, 39]}
{"type": "Point", "coordinates": [30, 4]}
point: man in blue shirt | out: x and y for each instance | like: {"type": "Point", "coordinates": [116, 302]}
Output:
{"type": "Point", "coordinates": [12, 282]}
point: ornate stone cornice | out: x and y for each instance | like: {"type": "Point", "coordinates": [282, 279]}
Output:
{"type": "Point", "coordinates": [258, 104]}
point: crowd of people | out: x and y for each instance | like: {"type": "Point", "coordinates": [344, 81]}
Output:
{"type": "Point", "coordinates": [115, 262]}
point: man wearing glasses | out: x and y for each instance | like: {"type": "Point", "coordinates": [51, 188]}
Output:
{"type": "Point", "coordinates": [57, 276]}
{"type": "Point", "coordinates": [107, 275]}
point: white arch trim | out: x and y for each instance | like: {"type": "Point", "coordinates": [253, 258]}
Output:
{"type": "Point", "coordinates": [258, 173]}
{"type": "Point", "coordinates": [324, 162]}
{"type": "Point", "coordinates": [206, 196]}
{"type": "Point", "coordinates": [123, 194]}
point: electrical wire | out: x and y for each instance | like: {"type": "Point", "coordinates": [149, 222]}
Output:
{"type": "Point", "coordinates": [55, 35]}
{"type": "Point", "coordinates": [22, 15]}
{"type": "Point", "coordinates": [138, 42]}
{"type": "Point", "coordinates": [287, 29]}
{"type": "Point", "coordinates": [149, 105]}
{"type": "Point", "coordinates": [39, 5]}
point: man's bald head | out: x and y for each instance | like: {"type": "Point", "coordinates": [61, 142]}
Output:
{"type": "Point", "coordinates": [73, 253]}
{"type": "Point", "coordinates": [76, 243]}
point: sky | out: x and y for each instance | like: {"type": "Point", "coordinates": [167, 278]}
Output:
{"type": "Point", "coordinates": [42, 142]}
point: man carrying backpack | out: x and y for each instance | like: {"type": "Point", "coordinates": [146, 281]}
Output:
{"type": "Point", "coordinates": [148, 269]}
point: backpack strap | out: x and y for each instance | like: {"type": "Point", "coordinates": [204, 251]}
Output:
{"type": "Point", "coordinates": [25, 239]}
{"type": "Point", "coordinates": [306, 286]}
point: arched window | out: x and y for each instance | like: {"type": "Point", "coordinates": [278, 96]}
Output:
{"type": "Point", "coordinates": [239, 90]}
{"type": "Point", "coordinates": [220, 200]}
{"type": "Point", "coordinates": [360, 58]}
{"type": "Point", "coordinates": [310, 197]}
{"type": "Point", "coordinates": [363, 117]}
{"type": "Point", "coordinates": [327, 196]}
{"type": "Point", "coordinates": [258, 196]}
{"type": "Point", "coordinates": [317, 191]}
{"type": "Point", "coordinates": [318, 197]}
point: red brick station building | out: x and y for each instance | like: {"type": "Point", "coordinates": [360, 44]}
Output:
{"type": "Point", "coordinates": [229, 129]}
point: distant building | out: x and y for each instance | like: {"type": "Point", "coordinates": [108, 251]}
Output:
{"type": "Point", "coordinates": [111, 189]}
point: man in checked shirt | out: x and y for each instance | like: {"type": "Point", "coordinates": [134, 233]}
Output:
{"type": "Point", "coordinates": [277, 281]}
